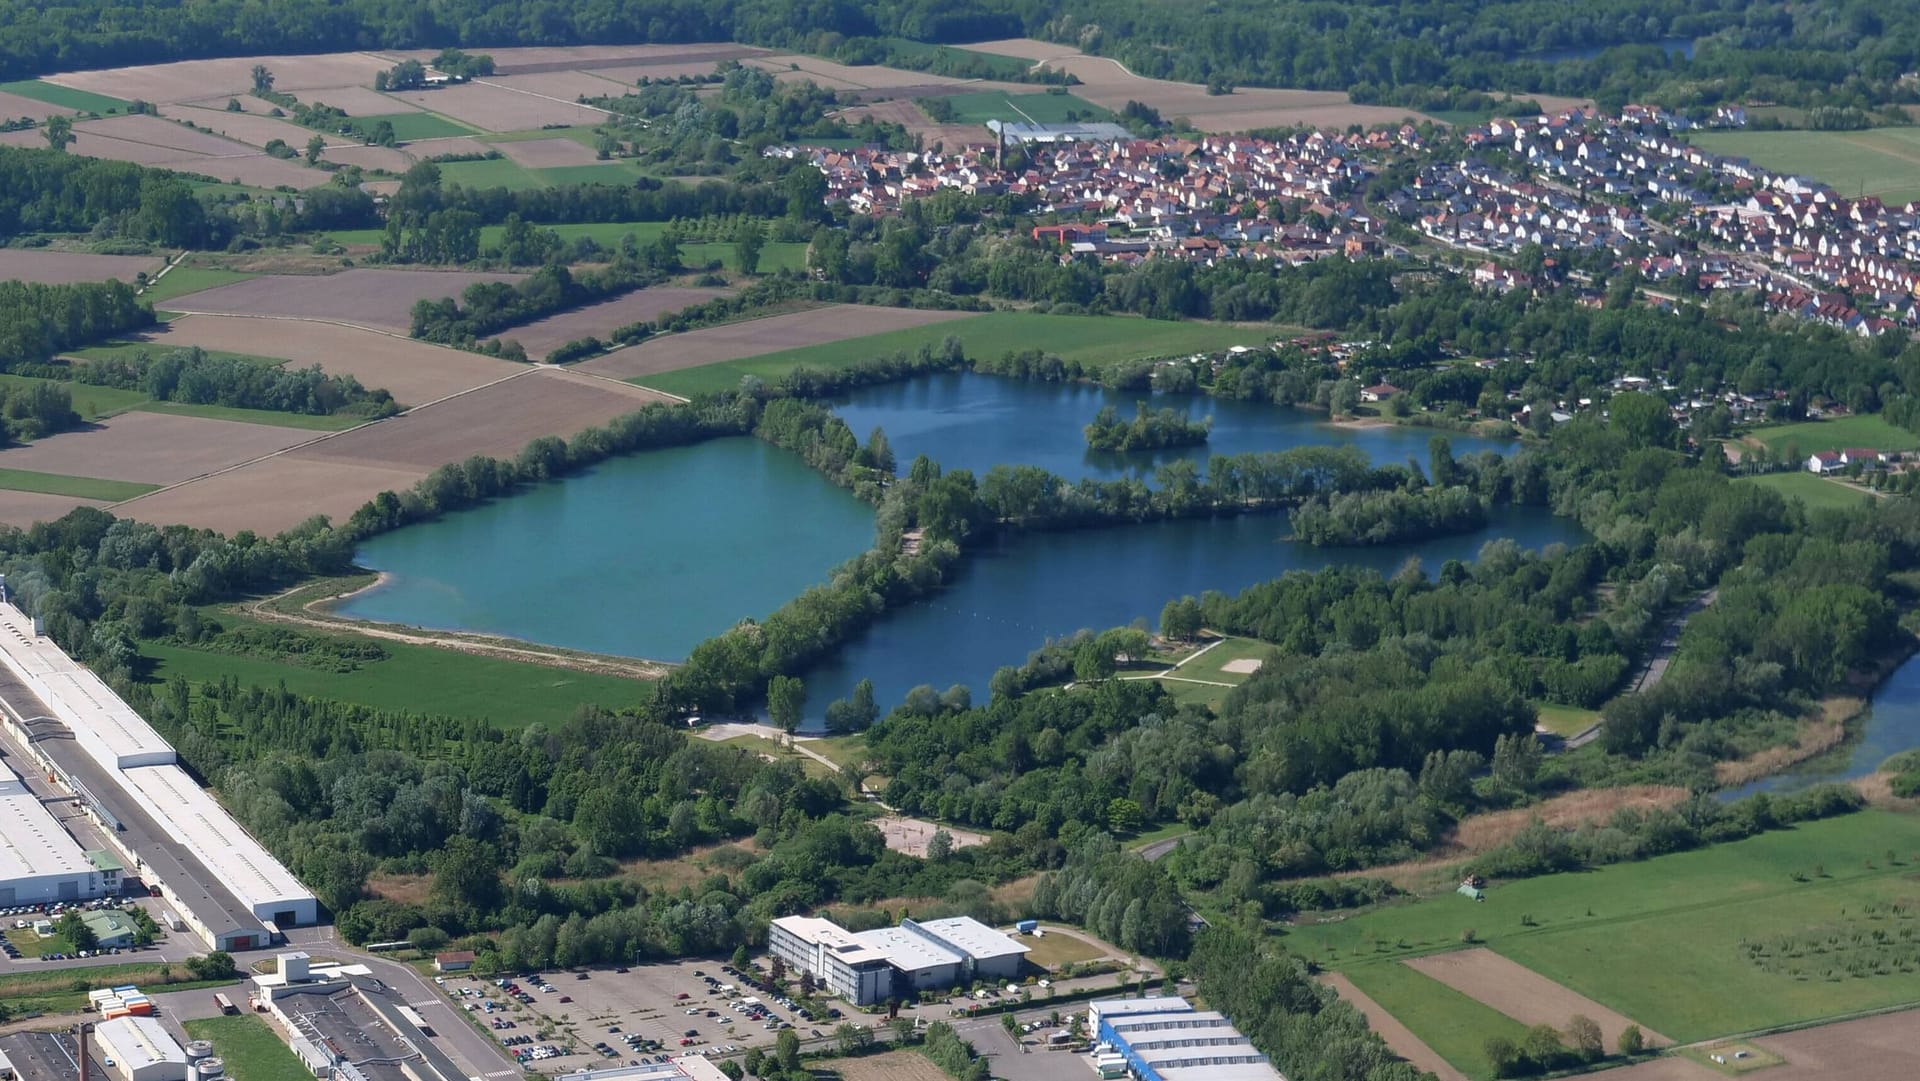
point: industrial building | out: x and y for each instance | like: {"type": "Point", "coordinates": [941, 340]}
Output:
{"type": "Point", "coordinates": [1090, 132]}
{"type": "Point", "coordinates": [895, 962]}
{"type": "Point", "coordinates": [141, 1049]}
{"type": "Point", "coordinates": [171, 833]}
{"type": "Point", "coordinates": [685, 1068]}
{"type": "Point", "coordinates": [355, 1027]}
{"type": "Point", "coordinates": [1165, 1039]}
{"type": "Point", "coordinates": [39, 862]}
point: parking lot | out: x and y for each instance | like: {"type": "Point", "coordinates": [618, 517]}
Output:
{"type": "Point", "coordinates": [556, 1022]}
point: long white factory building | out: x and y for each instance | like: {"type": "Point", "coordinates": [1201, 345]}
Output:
{"type": "Point", "coordinates": [173, 832]}
{"type": "Point", "coordinates": [39, 861]}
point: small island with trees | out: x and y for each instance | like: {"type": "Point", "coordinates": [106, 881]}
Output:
{"type": "Point", "coordinates": [1158, 429]}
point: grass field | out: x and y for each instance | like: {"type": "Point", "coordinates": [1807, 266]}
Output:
{"type": "Point", "coordinates": [507, 694]}
{"type": "Point", "coordinates": [1818, 493]}
{"type": "Point", "coordinates": [1094, 340]}
{"type": "Point", "coordinates": [1565, 720]}
{"type": "Point", "coordinates": [65, 97]}
{"type": "Point", "coordinates": [617, 172]}
{"type": "Point", "coordinates": [1052, 951]}
{"type": "Point", "coordinates": [1683, 918]}
{"type": "Point", "coordinates": [24, 480]}
{"type": "Point", "coordinates": [1003, 67]}
{"type": "Point", "coordinates": [304, 421]}
{"type": "Point", "coordinates": [767, 748]}
{"type": "Point", "coordinates": [128, 350]}
{"type": "Point", "coordinates": [492, 173]}
{"type": "Point", "coordinates": [773, 256]}
{"type": "Point", "coordinates": [1034, 108]}
{"type": "Point", "coordinates": [90, 402]}
{"type": "Point", "coordinates": [1454, 1025]}
{"type": "Point", "coordinates": [1878, 161]}
{"type": "Point", "coordinates": [64, 990]}
{"type": "Point", "coordinates": [410, 126]}
{"type": "Point", "coordinates": [182, 280]}
{"type": "Point", "coordinates": [250, 1049]}
{"type": "Point", "coordinates": [1869, 431]}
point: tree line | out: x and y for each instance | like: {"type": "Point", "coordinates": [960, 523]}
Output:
{"type": "Point", "coordinates": [196, 377]}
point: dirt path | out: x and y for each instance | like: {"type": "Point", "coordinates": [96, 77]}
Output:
{"type": "Point", "coordinates": [479, 645]}
{"type": "Point", "coordinates": [1400, 1039]}
{"type": "Point", "coordinates": [1521, 993]}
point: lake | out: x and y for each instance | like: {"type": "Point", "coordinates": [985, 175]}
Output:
{"type": "Point", "coordinates": [648, 555]}
{"type": "Point", "coordinates": [967, 421]}
{"type": "Point", "coordinates": [1891, 725]}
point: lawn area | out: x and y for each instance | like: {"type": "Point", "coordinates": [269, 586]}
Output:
{"type": "Point", "coordinates": [846, 751]}
{"type": "Point", "coordinates": [338, 422]}
{"type": "Point", "coordinates": [1869, 431]}
{"type": "Point", "coordinates": [112, 491]}
{"type": "Point", "coordinates": [90, 402]}
{"type": "Point", "coordinates": [1818, 493]}
{"type": "Point", "coordinates": [1033, 108]}
{"type": "Point", "coordinates": [1565, 720]}
{"type": "Point", "coordinates": [1879, 161]}
{"type": "Point", "coordinates": [64, 990]}
{"type": "Point", "coordinates": [65, 97]}
{"type": "Point", "coordinates": [182, 280]}
{"type": "Point", "coordinates": [767, 748]}
{"type": "Point", "coordinates": [611, 172]}
{"type": "Point", "coordinates": [1456, 1026]}
{"type": "Point", "coordinates": [1205, 695]}
{"type": "Point", "coordinates": [418, 125]}
{"type": "Point", "coordinates": [1095, 340]}
{"type": "Point", "coordinates": [1052, 951]}
{"type": "Point", "coordinates": [773, 256]}
{"type": "Point", "coordinates": [1212, 664]}
{"type": "Point", "coordinates": [128, 350]}
{"type": "Point", "coordinates": [249, 1047]}
{"type": "Point", "coordinates": [1689, 916]}
{"type": "Point", "coordinates": [492, 173]}
{"type": "Point", "coordinates": [29, 942]}
{"type": "Point", "coordinates": [507, 694]}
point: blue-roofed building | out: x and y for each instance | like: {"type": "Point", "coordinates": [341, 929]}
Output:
{"type": "Point", "coordinates": [1165, 1039]}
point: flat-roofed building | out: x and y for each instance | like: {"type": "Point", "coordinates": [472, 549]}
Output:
{"type": "Point", "coordinates": [989, 954]}
{"type": "Point", "coordinates": [194, 818]}
{"type": "Point", "coordinates": [141, 1049]}
{"type": "Point", "coordinates": [920, 962]}
{"type": "Point", "coordinates": [849, 967]}
{"type": "Point", "coordinates": [39, 861]}
{"type": "Point", "coordinates": [1165, 1039]}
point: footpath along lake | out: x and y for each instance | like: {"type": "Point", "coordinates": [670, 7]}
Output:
{"type": "Point", "coordinates": [648, 555]}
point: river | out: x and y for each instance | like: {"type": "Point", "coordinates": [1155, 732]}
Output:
{"type": "Point", "coordinates": [648, 555]}
{"type": "Point", "coordinates": [1890, 725]}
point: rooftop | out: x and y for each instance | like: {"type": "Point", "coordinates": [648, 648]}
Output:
{"type": "Point", "coordinates": [973, 938]}
{"type": "Point", "coordinates": [844, 945]}
{"type": "Point", "coordinates": [358, 1021]}
{"type": "Point", "coordinates": [194, 818]}
{"type": "Point", "coordinates": [138, 1042]}
{"type": "Point", "coordinates": [908, 951]}
{"type": "Point", "coordinates": [32, 842]}
{"type": "Point", "coordinates": [110, 731]}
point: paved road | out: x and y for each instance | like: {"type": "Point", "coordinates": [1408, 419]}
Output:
{"type": "Point", "coordinates": [1663, 653]}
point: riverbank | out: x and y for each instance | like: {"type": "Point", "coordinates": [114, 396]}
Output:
{"type": "Point", "coordinates": [1833, 723]}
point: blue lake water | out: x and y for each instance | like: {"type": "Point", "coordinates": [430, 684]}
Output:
{"type": "Point", "coordinates": [1891, 725]}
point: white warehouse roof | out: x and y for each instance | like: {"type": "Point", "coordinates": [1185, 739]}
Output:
{"type": "Point", "coordinates": [107, 728]}
{"type": "Point", "coordinates": [142, 1047]}
{"type": "Point", "coordinates": [32, 844]}
{"type": "Point", "coordinates": [907, 951]}
{"type": "Point", "coordinates": [838, 941]}
{"type": "Point", "coordinates": [196, 820]}
{"type": "Point", "coordinates": [973, 938]}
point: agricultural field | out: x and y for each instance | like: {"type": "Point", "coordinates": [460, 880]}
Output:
{"type": "Point", "coordinates": [505, 693]}
{"type": "Point", "coordinates": [1818, 493]}
{"type": "Point", "coordinates": [250, 1049]}
{"type": "Point", "coordinates": [66, 267]}
{"type": "Point", "coordinates": [1093, 340]}
{"type": "Point", "coordinates": [490, 107]}
{"type": "Point", "coordinates": [90, 402]}
{"type": "Point", "coordinates": [92, 488]}
{"type": "Point", "coordinates": [729, 342]}
{"type": "Point", "coordinates": [409, 126]}
{"type": "Point", "coordinates": [1039, 108]}
{"type": "Point", "coordinates": [369, 297]}
{"type": "Point", "coordinates": [1778, 947]}
{"type": "Point", "coordinates": [146, 448]}
{"type": "Point", "coordinates": [63, 97]}
{"type": "Point", "coordinates": [1869, 431]}
{"type": "Point", "coordinates": [183, 279]}
{"type": "Point", "coordinates": [1453, 1025]}
{"type": "Point", "coordinates": [1879, 161]}
{"type": "Point", "coordinates": [599, 320]}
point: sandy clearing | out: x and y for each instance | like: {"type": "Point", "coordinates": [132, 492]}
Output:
{"type": "Point", "coordinates": [1024, 48]}
{"type": "Point", "coordinates": [13, 106]}
{"type": "Point", "coordinates": [733, 341]}
{"type": "Point", "coordinates": [603, 318]}
{"type": "Point", "coordinates": [548, 153]}
{"type": "Point", "coordinates": [496, 108]}
{"type": "Point", "coordinates": [496, 420]}
{"type": "Point", "coordinates": [189, 80]}
{"type": "Point", "coordinates": [1400, 1039]}
{"type": "Point", "coordinates": [566, 85]}
{"type": "Point", "coordinates": [25, 508]}
{"type": "Point", "coordinates": [1521, 993]}
{"type": "Point", "coordinates": [911, 835]}
{"type": "Point", "coordinates": [259, 170]}
{"type": "Point", "coordinates": [151, 448]}
{"type": "Point", "coordinates": [268, 496]}
{"type": "Point", "coordinates": [1105, 82]}
{"type": "Point", "coordinates": [369, 157]}
{"type": "Point", "coordinates": [1243, 666]}
{"type": "Point", "coordinates": [64, 267]}
{"type": "Point", "coordinates": [245, 127]}
{"type": "Point", "coordinates": [413, 372]}
{"type": "Point", "coordinates": [373, 297]}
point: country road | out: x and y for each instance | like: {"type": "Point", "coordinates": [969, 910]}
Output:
{"type": "Point", "coordinates": [1663, 653]}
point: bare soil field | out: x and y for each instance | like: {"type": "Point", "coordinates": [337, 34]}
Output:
{"type": "Point", "coordinates": [414, 372]}
{"type": "Point", "coordinates": [1882, 1048]}
{"type": "Point", "coordinates": [1521, 993]}
{"type": "Point", "coordinates": [151, 448]}
{"type": "Point", "coordinates": [258, 170]}
{"type": "Point", "coordinates": [565, 85]}
{"type": "Point", "coordinates": [244, 127]}
{"type": "Point", "coordinates": [1105, 82]}
{"type": "Point", "coordinates": [600, 319]}
{"type": "Point", "coordinates": [335, 475]}
{"type": "Point", "coordinates": [190, 80]}
{"type": "Point", "coordinates": [25, 508]}
{"type": "Point", "coordinates": [1400, 1039]}
{"type": "Point", "coordinates": [908, 115]}
{"type": "Point", "coordinates": [496, 108]}
{"type": "Point", "coordinates": [528, 60]}
{"type": "Point", "coordinates": [13, 106]}
{"type": "Point", "coordinates": [547, 153]}
{"type": "Point", "coordinates": [66, 267]}
{"type": "Point", "coordinates": [370, 157]}
{"type": "Point", "coordinates": [750, 338]}
{"type": "Point", "coordinates": [269, 496]}
{"type": "Point", "coordinates": [248, 104]}
{"type": "Point", "coordinates": [155, 131]}
{"type": "Point", "coordinates": [420, 149]}
{"type": "Point", "coordinates": [374, 297]}
{"type": "Point", "coordinates": [359, 100]}
{"type": "Point", "coordinates": [1026, 48]}
{"type": "Point", "coordinates": [633, 73]}
{"type": "Point", "coordinates": [867, 76]}
{"type": "Point", "coordinates": [497, 420]}
{"type": "Point", "coordinates": [887, 1066]}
